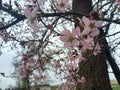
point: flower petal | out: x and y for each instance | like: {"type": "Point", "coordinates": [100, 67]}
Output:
{"type": "Point", "coordinates": [98, 23]}
{"type": "Point", "coordinates": [67, 44]}
{"type": "Point", "coordinates": [76, 31]}
{"type": "Point", "coordinates": [86, 21]}
{"type": "Point", "coordinates": [95, 32]}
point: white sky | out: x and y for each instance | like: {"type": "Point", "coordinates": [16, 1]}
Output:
{"type": "Point", "coordinates": [7, 68]}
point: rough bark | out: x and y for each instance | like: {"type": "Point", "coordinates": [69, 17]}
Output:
{"type": "Point", "coordinates": [95, 70]}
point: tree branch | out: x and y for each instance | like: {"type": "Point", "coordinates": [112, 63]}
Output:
{"type": "Point", "coordinates": [10, 11]}
{"type": "Point", "coordinates": [21, 17]}
{"type": "Point", "coordinates": [113, 64]}
{"type": "Point", "coordinates": [111, 60]}
{"type": "Point", "coordinates": [10, 24]}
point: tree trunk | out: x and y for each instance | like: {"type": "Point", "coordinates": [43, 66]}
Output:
{"type": "Point", "coordinates": [26, 83]}
{"type": "Point", "coordinates": [94, 70]}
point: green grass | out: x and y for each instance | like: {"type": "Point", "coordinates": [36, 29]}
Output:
{"type": "Point", "coordinates": [116, 87]}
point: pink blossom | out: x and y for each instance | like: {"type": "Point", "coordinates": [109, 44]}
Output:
{"type": "Point", "coordinates": [94, 15]}
{"type": "Point", "coordinates": [69, 39]}
{"type": "Point", "coordinates": [31, 15]}
{"type": "Point", "coordinates": [70, 66]}
{"type": "Point", "coordinates": [81, 58]}
{"type": "Point", "coordinates": [56, 65]}
{"type": "Point", "coordinates": [36, 78]}
{"type": "Point", "coordinates": [92, 25]}
{"type": "Point", "coordinates": [97, 49]}
{"type": "Point", "coordinates": [87, 44]}
{"type": "Point", "coordinates": [98, 23]}
{"type": "Point", "coordinates": [22, 70]}
{"type": "Point", "coordinates": [71, 81]}
{"type": "Point", "coordinates": [76, 31]}
{"type": "Point", "coordinates": [27, 11]}
{"type": "Point", "coordinates": [4, 36]}
{"type": "Point", "coordinates": [34, 26]}
{"type": "Point", "coordinates": [34, 12]}
{"type": "Point", "coordinates": [85, 21]}
{"type": "Point", "coordinates": [81, 34]}
{"type": "Point", "coordinates": [82, 80]}
{"type": "Point", "coordinates": [40, 78]}
{"type": "Point", "coordinates": [62, 5]}
{"type": "Point", "coordinates": [86, 31]}
{"type": "Point", "coordinates": [94, 33]}
{"type": "Point", "coordinates": [72, 56]}
{"type": "Point", "coordinates": [30, 12]}
{"type": "Point", "coordinates": [118, 1]}
{"type": "Point", "coordinates": [29, 65]}
{"type": "Point", "coordinates": [38, 63]}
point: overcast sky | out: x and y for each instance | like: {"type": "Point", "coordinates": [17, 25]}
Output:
{"type": "Point", "coordinates": [6, 67]}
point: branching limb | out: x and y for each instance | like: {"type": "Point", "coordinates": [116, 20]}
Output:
{"type": "Point", "coordinates": [20, 17]}
{"type": "Point", "coordinates": [111, 60]}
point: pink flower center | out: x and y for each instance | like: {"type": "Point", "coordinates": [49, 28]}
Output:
{"type": "Point", "coordinates": [92, 25]}
{"type": "Point", "coordinates": [84, 36]}
{"type": "Point", "coordinates": [70, 38]}
{"type": "Point", "coordinates": [62, 4]}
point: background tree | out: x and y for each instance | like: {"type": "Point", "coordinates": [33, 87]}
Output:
{"type": "Point", "coordinates": [29, 71]}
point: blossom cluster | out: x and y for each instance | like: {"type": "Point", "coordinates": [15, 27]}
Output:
{"type": "Point", "coordinates": [26, 66]}
{"type": "Point", "coordinates": [118, 1]}
{"type": "Point", "coordinates": [82, 41]}
{"type": "Point", "coordinates": [62, 5]}
{"type": "Point", "coordinates": [31, 66]}
{"type": "Point", "coordinates": [33, 10]}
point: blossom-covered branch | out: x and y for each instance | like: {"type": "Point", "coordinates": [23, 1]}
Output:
{"type": "Point", "coordinates": [20, 17]}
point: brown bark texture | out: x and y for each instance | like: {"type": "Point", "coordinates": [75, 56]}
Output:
{"type": "Point", "coordinates": [95, 69]}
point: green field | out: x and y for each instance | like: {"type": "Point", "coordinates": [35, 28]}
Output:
{"type": "Point", "coordinates": [116, 87]}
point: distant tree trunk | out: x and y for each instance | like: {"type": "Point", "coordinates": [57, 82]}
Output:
{"type": "Point", "coordinates": [26, 83]}
{"type": "Point", "coordinates": [95, 70]}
